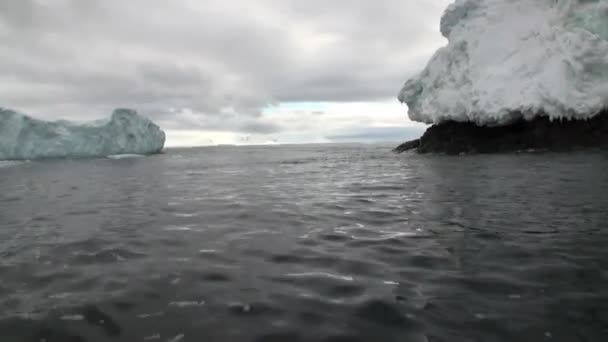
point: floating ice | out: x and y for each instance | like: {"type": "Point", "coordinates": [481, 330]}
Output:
{"type": "Point", "coordinates": [511, 59]}
{"type": "Point", "coordinates": [125, 133]}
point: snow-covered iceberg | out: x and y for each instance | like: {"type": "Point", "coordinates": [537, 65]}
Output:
{"type": "Point", "coordinates": [126, 132]}
{"type": "Point", "coordinates": [508, 60]}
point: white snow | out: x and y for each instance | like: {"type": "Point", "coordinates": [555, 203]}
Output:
{"type": "Point", "coordinates": [511, 59]}
{"type": "Point", "coordinates": [125, 133]}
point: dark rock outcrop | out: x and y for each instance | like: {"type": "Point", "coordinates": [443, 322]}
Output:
{"type": "Point", "coordinates": [539, 134]}
{"type": "Point", "coordinates": [408, 145]}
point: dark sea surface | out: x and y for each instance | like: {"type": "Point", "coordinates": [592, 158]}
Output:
{"type": "Point", "coordinates": [305, 243]}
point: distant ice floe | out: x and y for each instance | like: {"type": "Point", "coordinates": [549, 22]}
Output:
{"type": "Point", "coordinates": [511, 59]}
{"type": "Point", "coordinates": [125, 134]}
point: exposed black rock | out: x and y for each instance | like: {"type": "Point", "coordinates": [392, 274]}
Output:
{"type": "Point", "coordinates": [408, 145]}
{"type": "Point", "coordinates": [539, 134]}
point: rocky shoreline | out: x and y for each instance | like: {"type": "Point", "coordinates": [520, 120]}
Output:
{"type": "Point", "coordinates": [541, 133]}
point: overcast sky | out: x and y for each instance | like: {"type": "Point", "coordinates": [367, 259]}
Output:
{"type": "Point", "coordinates": [221, 71]}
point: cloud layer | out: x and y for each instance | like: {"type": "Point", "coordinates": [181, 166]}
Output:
{"type": "Point", "coordinates": [212, 65]}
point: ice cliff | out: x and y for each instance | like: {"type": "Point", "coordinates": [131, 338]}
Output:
{"type": "Point", "coordinates": [126, 132]}
{"type": "Point", "coordinates": [507, 60]}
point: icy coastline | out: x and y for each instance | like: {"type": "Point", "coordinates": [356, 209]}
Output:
{"type": "Point", "coordinates": [515, 75]}
{"type": "Point", "coordinates": [511, 60]}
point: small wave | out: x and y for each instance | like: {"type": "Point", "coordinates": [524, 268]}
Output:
{"type": "Point", "coordinates": [390, 282]}
{"type": "Point", "coordinates": [177, 338]}
{"type": "Point", "coordinates": [149, 315]}
{"type": "Point", "coordinates": [185, 304]}
{"type": "Point", "coordinates": [320, 275]}
{"type": "Point", "coordinates": [62, 295]}
{"type": "Point", "coordinates": [207, 251]}
{"type": "Point", "coordinates": [124, 156]}
{"type": "Point", "coordinates": [10, 163]}
{"type": "Point", "coordinates": [177, 229]}
{"type": "Point", "coordinates": [185, 214]}
{"type": "Point", "coordinates": [385, 236]}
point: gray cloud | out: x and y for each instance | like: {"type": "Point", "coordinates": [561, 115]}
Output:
{"type": "Point", "coordinates": [221, 61]}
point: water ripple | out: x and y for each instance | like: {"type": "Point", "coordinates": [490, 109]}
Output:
{"type": "Point", "coordinates": [320, 274]}
{"type": "Point", "coordinates": [305, 243]}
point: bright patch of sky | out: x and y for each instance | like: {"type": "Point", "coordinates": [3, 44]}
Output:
{"type": "Point", "coordinates": [316, 122]}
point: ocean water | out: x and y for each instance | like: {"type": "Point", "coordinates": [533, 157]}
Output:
{"type": "Point", "coordinates": [305, 243]}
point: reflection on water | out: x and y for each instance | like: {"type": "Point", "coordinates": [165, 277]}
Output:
{"type": "Point", "coordinates": [305, 243]}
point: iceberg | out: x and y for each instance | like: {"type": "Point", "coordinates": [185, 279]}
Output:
{"type": "Point", "coordinates": [511, 60]}
{"type": "Point", "coordinates": [126, 132]}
